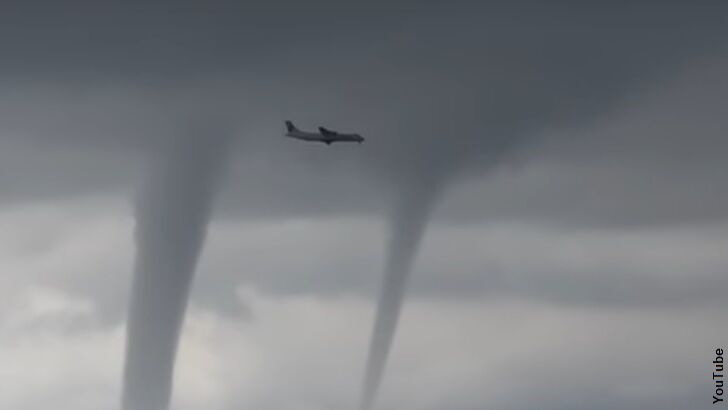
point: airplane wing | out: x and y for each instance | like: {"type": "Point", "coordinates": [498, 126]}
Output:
{"type": "Point", "coordinates": [326, 132]}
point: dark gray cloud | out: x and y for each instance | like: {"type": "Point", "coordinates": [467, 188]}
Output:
{"type": "Point", "coordinates": [613, 114]}
{"type": "Point", "coordinates": [597, 128]}
{"type": "Point", "coordinates": [435, 91]}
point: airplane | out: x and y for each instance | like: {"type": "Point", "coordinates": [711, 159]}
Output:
{"type": "Point", "coordinates": [324, 135]}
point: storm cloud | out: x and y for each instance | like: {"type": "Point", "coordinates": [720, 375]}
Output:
{"type": "Point", "coordinates": [430, 86]}
{"type": "Point", "coordinates": [564, 159]}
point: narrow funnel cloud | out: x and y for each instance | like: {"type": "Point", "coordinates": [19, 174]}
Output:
{"type": "Point", "coordinates": [407, 228]}
{"type": "Point", "coordinates": [423, 181]}
{"type": "Point", "coordinates": [172, 214]}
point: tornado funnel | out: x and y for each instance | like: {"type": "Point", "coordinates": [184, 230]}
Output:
{"type": "Point", "coordinates": [172, 212]}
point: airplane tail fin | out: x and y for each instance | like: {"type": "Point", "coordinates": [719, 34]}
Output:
{"type": "Point", "coordinates": [290, 127]}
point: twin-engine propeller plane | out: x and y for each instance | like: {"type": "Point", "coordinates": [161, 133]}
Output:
{"type": "Point", "coordinates": [324, 135]}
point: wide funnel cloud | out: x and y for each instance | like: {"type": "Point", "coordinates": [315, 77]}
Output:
{"type": "Point", "coordinates": [172, 214]}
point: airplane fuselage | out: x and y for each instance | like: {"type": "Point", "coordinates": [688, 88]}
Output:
{"type": "Point", "coordinates": [324, 135]}
{"type": "Point", "coordinates": [326, 139]}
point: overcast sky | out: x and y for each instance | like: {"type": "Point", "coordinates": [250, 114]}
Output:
{"type": "Point", "coordinates": [575, 256]}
